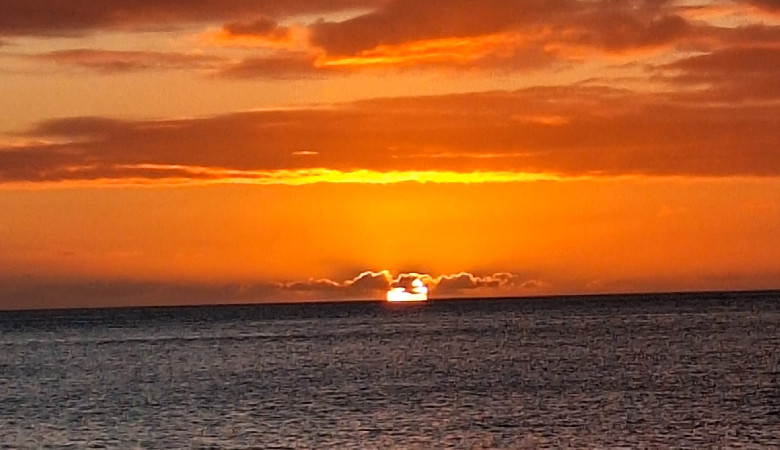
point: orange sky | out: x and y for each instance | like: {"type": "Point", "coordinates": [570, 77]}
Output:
{"type": "Point", "coordinates": [241, 151]}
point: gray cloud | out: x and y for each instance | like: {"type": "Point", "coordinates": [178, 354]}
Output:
{"type": "Point", "coordinates": [30, 293]}
{"type": "Point", "coordinates": [501, 281]}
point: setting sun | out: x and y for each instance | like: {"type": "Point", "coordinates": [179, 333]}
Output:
{"type": "Point", "coordinates": [417, 293]}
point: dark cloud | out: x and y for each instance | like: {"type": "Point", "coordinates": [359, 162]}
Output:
{"type": "Point", "coordinates": [624, 31]}
{"type": "Point", "coordinates": [321, 286]}
{"type": "Point", "coordinates": [30, 293]}
{"type": "Point", "coordinates": [369, 281]}
{"type": "Point", "coordinates": [259, 33]}
{"type": "Point", "coordinates": [366, 284]}
{"type": "Point", "coordinates": [562, 130]}
{"type": "Point", "coordinates": [46, 17]}
{"type": "Point", "coordinates": [739, 73]}
{"type": "Point", "coordinates": [459, 282]}
{"type": "Point", "coordinates": [735, 61]}
{"type": "Point", "coordinates": [451, 35]}
{"type": "Point", "coordinates": [608, 25]}
{"type": "Point", "coordinates": [109, 61]}
{"type": "Point", "coordinates": [408, 20]}
{"type": "Point", "coordinates": [454, 284]}
{"type": "Point", "coordinates": [755, 36]}
{"type": "Point", "coordinates": [259, 27]}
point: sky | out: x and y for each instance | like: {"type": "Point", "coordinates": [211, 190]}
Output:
{"type": "Point", "coordinates": [157, 152]}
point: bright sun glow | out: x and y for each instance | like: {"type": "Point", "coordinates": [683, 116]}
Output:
{"type": "Point", "coordinates": [418, 293]}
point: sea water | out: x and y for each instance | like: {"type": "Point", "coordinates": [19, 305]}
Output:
{"type": "Point", "coordinates": [681, 370]}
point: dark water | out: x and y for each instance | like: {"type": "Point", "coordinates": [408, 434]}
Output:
{"type": "Point", "coordinates": [599, 372]}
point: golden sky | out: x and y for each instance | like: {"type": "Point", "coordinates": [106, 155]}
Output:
{"type": "Point", "coordinates": [159, 152]}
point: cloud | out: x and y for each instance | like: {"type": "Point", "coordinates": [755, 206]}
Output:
{"type": "Point", "coordinates": [609, 26]}
{"type": "Point", "coordinates": [755, 36]}
{"type": "Point", "coordinates": [496, 34]}
{"type": "Point", "coordinates": [497, 283]}
{"type": "Point", "coordinates": [621, 30]}
{"type": "Point", "coordinates": [366, 284]}
{"type": "Point", "coordinates": [44, 17]}
{"type": "Point", "coordinates": [398, 35]}
{"type": "Point", "coordinates": [739, 73]}
{"type": "Point", "coordinates": [279, 65]}
{"type": "Point", "coordinates": [26, 292]}
{"type": "Point", "coordinates": [486, 136]}
{"type": "Point", "coordinates": [494, 51]}
{"type": "Point", "coordinates": [289, 57]}
{"type": "Point", "coordinates": [368, 281]}
{"type": "Point", "coordinates": [283, 65]}
{"type": "Point", "coordinates": [259, 33]}
{"type": "Point", "coordinates": [767, 5]}
{"type": "Point", "coordinates": [404, 21]}
{"type": "Point", "coordinates": [111, 61]}
{"type": "Point", "coordinates": [467, 281]}
{"type": "Point", "coordinates": [259, 27]}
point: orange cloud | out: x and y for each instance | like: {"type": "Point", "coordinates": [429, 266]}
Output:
{"type": "Point", "coordinates": [463, 138]}
{"type": "Point", "coordinates": [454, 50]}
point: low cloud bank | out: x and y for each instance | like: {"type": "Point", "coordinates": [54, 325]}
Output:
{"type": "Point", "coordinates": [29, 293]}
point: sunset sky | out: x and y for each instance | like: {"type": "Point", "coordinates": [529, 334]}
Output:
{"type": "Point", "coordinates": [222, 151]}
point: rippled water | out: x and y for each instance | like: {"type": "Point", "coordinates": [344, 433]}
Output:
{"type": "Point", "coordinates": [633, 371]}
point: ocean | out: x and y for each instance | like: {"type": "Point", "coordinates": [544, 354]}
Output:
{"type": "Point", "coordinates": [636, 371]}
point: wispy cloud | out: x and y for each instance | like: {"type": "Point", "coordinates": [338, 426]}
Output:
{"type": "Point", "coordinates": [44, 17]}
{"type": "Point", "coordinates": [112, 61]}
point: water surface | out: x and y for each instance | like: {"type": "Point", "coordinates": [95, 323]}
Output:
{"type": "Point", "coordinates": [695, 370]}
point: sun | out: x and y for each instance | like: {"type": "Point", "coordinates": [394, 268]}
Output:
{"type": "Point", "coordinates": [418, 293]}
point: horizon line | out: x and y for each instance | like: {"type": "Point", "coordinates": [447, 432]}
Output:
{"type": "Point", "coordinates": [573, 296]}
